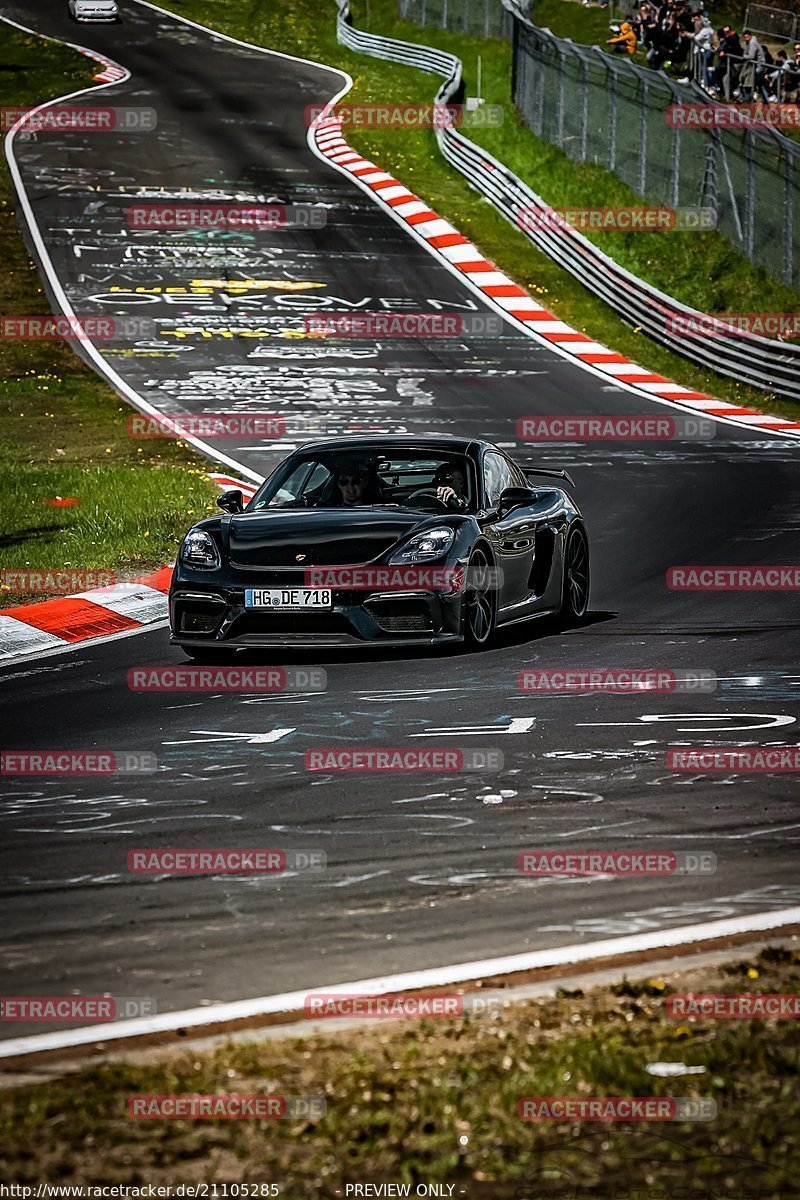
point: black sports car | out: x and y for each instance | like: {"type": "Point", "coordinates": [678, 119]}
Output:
{"type": "Point", "coordinates": [390, 540]}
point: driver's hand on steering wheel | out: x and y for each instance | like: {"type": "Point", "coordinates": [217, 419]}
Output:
{"type": "Point", "coordinates": [445, 494]}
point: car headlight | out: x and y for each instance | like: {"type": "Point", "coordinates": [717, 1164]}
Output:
{"type": "Point", "coordinates": [424, 547]}
{"type": "Point", "coordinates": [200, 550]}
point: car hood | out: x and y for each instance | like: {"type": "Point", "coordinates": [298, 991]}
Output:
{"type": "Point", "coordinates": [323, 537]}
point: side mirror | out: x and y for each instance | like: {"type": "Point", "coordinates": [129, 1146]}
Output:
{"type": "Point", "coordinates": [513, 497]}
{"type": "Point", "coordinates": [231, 502]}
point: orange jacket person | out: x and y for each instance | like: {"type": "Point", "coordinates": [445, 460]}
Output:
{"type": "Point", "coordinates": [625, 41]}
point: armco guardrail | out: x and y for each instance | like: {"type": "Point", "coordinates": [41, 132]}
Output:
{"type": "Point", "coordinates": [765, 363]}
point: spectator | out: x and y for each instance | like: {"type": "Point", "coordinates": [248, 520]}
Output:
{"type": "Point", "coordinates": [753, 70]}
{"type": "Point", "coordinates": [780, 80]}
{"type": "Point", "coordinates": [625, 41]}
{"type": "Point", "coordinates": [684, 18]}
{"type": "Point", "coordinates": [729, 51]}
{"type": "Point", "coordinates": [667, 42]}
{"type": "Point", "coordinates": [701, 43]}
{"type": "Point", "coordinates": [641, 20]}
{"type": "Point", "coordinates": [683, 21]}
{"type": "Point", "coordinates": [649, 34]}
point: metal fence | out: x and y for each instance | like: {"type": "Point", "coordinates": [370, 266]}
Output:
{"type": "Point", "coordinates": [774, 23]}
{"type": "Point", "coordinates": [478, 18]}
{"type": "Point", "coordinates": [613, 113]}
{"type": "Point", "coordinates": [765, 363]}
{"type": "Point", "coordinates": [738, 78]}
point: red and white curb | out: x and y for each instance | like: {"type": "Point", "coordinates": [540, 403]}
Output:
{"type": "Point", "coordinates": [112, 72]}
{"type": "Point", "coordinates": [120, 608]}
{"type": "Point", "coordinates": [226, 482]}
{"type": "Point", "coordinates": [59, 622]}
{"type": "Point", "coordinates": [513, 301]}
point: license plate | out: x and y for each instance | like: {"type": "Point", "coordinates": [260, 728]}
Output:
{"type": "Point", "coordinates": [288, 598]}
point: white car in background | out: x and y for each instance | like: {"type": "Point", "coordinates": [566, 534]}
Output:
{"type": "Point", "coordinates": [94, 10]}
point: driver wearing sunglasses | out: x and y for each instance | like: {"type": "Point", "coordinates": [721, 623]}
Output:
{"type": "Point", "coordinates": [351, 488]}
{"type": "Point", "coordinates": [356, 484]}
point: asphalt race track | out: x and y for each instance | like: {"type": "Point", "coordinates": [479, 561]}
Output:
{"type": "Point", "coordinates": [422, 871]}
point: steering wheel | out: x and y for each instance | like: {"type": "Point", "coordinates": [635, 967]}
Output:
{"type": "Point", "coordinates": [427, 494]}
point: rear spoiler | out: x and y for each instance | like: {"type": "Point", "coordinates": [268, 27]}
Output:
{"type": "Point", "coordinates": [528, 471]}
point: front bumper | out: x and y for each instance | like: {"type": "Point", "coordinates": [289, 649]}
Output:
{"type": "Point", "coordinates": [216, 617]}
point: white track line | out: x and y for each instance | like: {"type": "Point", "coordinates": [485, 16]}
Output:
{"type": "Point", "coordinates": [435, 977]}
{"type": "Point", "coordinates": [132, 396]}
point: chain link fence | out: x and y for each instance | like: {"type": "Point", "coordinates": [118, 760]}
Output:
{"type": "Point", "coordinates": [478, 18]}
{"type": "Point", "coordinates": [773, 23]}
{"type": "Point", "coordinates": [613, 113]}
{"type": "Point", "coordinates": [763, 362]}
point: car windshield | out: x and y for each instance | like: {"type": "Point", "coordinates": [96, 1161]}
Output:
{"type": "Point", "coordinates": [333, 479]}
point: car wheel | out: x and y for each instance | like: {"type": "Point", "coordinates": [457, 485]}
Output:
{"type": "Point", "coordinates": [479, 606]}
{"type": "Point", "coordinates": [575, 598]}
{"type": "Point", "coordinates": [207, 654]}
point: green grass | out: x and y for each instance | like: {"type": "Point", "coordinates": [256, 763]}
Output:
{"type": "Point", "coordinates": [570, 19]}
{"type": "Point", "coordinates": [436, 1102]}
{"type": "Point", "coordinates": [725, 281]}
{"type": "Point", "coordinates": [62, 429]}
{"type": "Point", "coordinates": [589, 25]}
{"type": "Point", "coordinates": [128, 518]}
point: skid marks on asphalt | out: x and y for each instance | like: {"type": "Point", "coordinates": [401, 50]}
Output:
{"type": "Point", "coordinates": [770, 686]}
{"type": "Point", "coordinates": [689, 912]}
{"type": "Point", "coordinates": [49, 810]}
